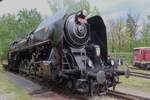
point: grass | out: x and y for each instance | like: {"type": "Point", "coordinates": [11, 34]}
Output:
{"type": "Point", "coordinates": [132, 82]}
{"type": "Point", "coordinates": [126, 56]}
{"type": "Point", "coordinates": [11, 90]}
{"type": "Point", "coordinates": [134, 70]}
{"type": "Point", "coordinates": [140, 70]}
{"type": "Point", "coordinates": [136, 83]}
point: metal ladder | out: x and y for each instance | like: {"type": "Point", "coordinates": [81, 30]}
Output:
{"type": "Point", "coordinates": [83, 56]}
{"type": "Point", "coordinates": [80, 58]}
{"type": "Point", "coordinates": [65, 60]}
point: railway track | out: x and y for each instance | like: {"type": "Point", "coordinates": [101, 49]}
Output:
{"type": "Point", "coordinates": [136, 68]}
{"type": "Point", "coordinates": [141, 75]}
{"type": "Point", "coordinates": [65, 93]}
{"type": "Point", "coordinates": [138, 74]}
{"type": "Point", "coordinates": [126, 96]}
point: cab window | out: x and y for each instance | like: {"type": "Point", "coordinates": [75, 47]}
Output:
{"type": "Point", "coordinates": [137, 52]}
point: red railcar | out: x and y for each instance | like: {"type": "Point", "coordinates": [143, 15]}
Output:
{"type": "Point", "coordinates": [141, 57]}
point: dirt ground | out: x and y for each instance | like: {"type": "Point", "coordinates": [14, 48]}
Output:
{"type": "Point", "coordinates": [37, 92]}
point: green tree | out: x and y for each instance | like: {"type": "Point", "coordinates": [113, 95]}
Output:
{"type": "Point", "coordinates": [28, 21]}
{"type": "Point", "coordinates": [131, 28]}
{"type": "Point", "coordinates": [116, 35]}
{"type": "Point", "coordinates": [16, 26]}
{"type": "Point", "coordinates": [146, 34]}
{"type": "Point", "coordinates": [120, 34]}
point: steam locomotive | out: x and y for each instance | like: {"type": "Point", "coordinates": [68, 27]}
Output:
{"type": "Point", "coordinates": [67, 47]}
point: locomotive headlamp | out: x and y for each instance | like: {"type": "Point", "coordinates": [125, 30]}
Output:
{"type": "Point", "coordinates": [97, 48]}
{"type": "Point", "coordinates": [84, 12]}
{"type": "Point", "coordinates": [81, 17]}
{"type": "Point", "coordinates": [90, 64]}
{"type": "Point", "coordinates": [112, 62]}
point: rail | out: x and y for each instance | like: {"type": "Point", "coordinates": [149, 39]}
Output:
{"type": "Point", "coordinates": [136, 68]}
{"type": "Point", "coordinates": [141, 75]}
{"type": "Point", "coordinates": [126, 96]}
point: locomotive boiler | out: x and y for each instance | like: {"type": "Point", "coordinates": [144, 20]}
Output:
{"type": "Point", "coordinates": [67, 48]}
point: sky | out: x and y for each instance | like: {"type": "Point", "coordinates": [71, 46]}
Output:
{"type": "Point", "coordinates": [13, 6]}
{"type": "Point", "coordinates": [108, 8]}
{"type": "Point", "coordinates": [120, 8]}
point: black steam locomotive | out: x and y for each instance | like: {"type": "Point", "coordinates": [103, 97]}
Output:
{"type": "Point", "coordinates": [67, 47]}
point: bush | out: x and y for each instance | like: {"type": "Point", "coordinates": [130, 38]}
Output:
{"type": "Point", "coordinates": [126, 56]}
